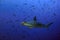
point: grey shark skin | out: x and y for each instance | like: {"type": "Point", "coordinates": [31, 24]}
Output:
{"type": "Point", "coordinates": [37, 25]}
{"type": "Point", "coordinates": [34, 24]}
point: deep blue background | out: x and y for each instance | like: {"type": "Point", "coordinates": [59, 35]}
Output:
{"type": "Point", "coordinates": [13, 12]}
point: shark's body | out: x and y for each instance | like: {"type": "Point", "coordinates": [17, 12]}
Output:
{"type": "Point", "coordinates": [35, 24]}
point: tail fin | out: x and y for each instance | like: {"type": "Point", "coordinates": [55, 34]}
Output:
{"type": "Point", "coordinates": [49, 24]}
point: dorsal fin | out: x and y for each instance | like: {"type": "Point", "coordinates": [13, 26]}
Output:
{"type": "Point", "coordinates": [34, 18]}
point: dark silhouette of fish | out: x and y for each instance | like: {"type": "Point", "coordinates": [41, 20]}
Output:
{"type": "Point", "coordinates": [35, 24]}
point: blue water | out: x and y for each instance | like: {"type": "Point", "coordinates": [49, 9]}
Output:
{"type": "Point", "coordinates": [13, 12]}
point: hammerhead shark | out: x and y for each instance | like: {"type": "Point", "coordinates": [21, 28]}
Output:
{"type": "Point", "coordinates": [35, 24]}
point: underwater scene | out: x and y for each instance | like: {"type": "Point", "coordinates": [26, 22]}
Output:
{"type": "Point", "coordinates": [29, 20]}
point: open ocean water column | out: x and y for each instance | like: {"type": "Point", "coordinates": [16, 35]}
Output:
{"type": "Point", "coordinates": [14, 12]}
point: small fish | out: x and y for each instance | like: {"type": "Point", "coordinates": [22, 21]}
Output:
{"type": "Point", "coordinates": [35, 24]}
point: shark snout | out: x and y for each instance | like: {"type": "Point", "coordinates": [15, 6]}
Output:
{"type": "Point", "coordinates": [22, 23]}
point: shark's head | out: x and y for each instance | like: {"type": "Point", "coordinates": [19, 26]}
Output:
{"type": "Point", "coordinates": [23, 23]}
{"type": "Point", "coordinates": [27, 24]}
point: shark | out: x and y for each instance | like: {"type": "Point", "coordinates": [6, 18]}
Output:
{"type": "Point", "coordinates": [35, 24]}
